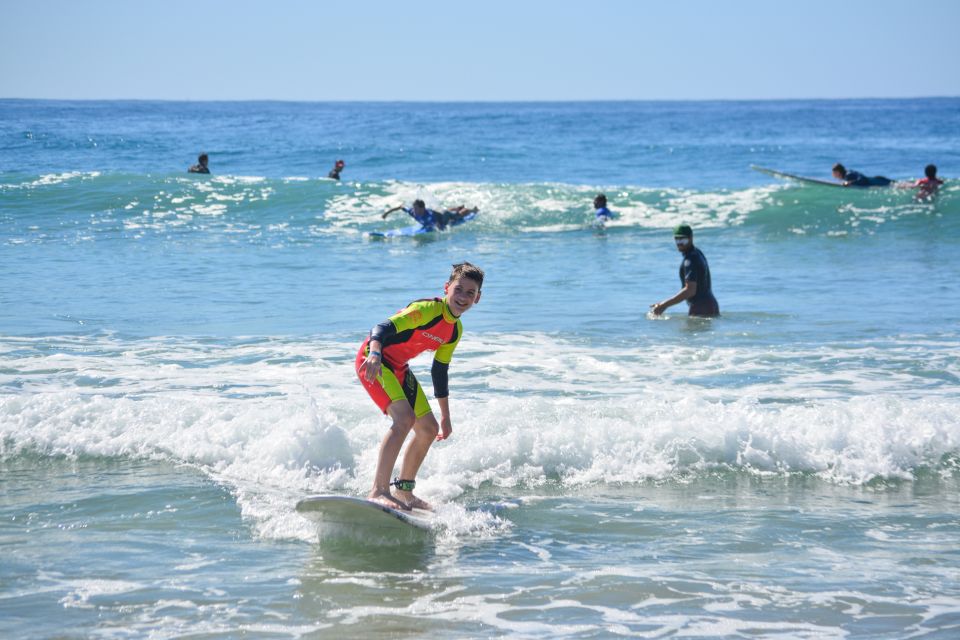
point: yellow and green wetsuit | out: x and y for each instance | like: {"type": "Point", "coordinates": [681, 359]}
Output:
{"type": "Point", "coordinates": [423, 325]}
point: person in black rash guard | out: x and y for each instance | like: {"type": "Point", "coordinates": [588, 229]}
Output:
{"type": "Point", "coordinates": [337, 168]}
{"type": "Point", "coordinates": [857, 179]}
{"type": "Point", "coordinates": [201, 166]}
{"type": "Point", "coordinates": [694, 278]}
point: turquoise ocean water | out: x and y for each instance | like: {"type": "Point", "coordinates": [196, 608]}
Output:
{"type": "Point", "coordinates": [176, 371]}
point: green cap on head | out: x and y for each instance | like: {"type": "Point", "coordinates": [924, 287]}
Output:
{"type": "Point", "coordinates": [682, 231]}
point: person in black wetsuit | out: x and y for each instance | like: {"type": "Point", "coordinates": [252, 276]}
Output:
{"type": "Point", "coordinates": [337, 168]}
{"type": "Point", "coordinates": [857, 179]}
{"type": "Point", "coordinates": [201, 166]}
{"type": "Point", "coordinates": [694, 278]}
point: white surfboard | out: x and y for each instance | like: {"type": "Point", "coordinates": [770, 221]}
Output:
{"type": "Point", "coordinates": [790, 176]}
{"type": "Point", "coordinates": [358, 518]}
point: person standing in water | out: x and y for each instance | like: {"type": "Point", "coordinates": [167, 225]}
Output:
{"type": "Point", "coordinates": [337, 168]}
{"type": "Point", "coordinates": [928, 186]}
{"type": "Point", "coordinates": [601, 212]}
{"type": "Point", "coordinates": [694, 279]}
{"type": "Point", "coordinates": [201, 166]}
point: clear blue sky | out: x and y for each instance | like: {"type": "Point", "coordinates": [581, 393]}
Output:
{"type": "Point", "coordinates": [483, 50]}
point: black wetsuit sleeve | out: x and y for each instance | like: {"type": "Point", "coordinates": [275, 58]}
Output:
{"type": "Point", "coordinates": [440, 379]}
{"type": "Point", "coordinates": [383, 331]}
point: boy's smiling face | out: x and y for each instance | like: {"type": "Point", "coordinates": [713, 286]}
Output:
{"type": "Point", "coordinates": [461, 294]}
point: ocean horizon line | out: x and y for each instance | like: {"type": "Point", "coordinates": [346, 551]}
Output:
{"type": "Point", "coordinates": [488, 101]}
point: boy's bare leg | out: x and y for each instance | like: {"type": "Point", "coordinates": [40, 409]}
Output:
{"type": "Point", "coordinates": [403, 421]}
{"type": "Point", "coordinates": [425, 431]}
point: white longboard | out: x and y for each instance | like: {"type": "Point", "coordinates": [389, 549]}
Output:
{"type": "Point", "coordinates": [790, 176]}
{"type": "Point", "coordinates": [345, 516]}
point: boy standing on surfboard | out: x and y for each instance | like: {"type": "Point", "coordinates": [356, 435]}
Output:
{"type": "Point", "coordinates": [431, 324]}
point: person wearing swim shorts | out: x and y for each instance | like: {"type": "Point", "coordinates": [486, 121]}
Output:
{"type": "Point", "coordinates": [694, 278]}
{"type": "Point", "coordinates": [431, 324]}
{"type": "Point", "coordinates": [453, 216]}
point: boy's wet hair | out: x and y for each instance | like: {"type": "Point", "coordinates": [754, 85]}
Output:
{"type": "Point", "coordinates": [930, 171]}
{"type": "Point", "coordinates": [467, 270]}
{"type": "Point", "coordinates": [600, 200]}
{"type": "Point", "coordinates": [419, 202]}
{"type": "Point", "coordinates": [839, 168]}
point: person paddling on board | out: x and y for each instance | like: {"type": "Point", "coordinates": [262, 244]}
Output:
{"type": "Point", "coordinates": [419, 212]}
{"type": "Point", "coordinates": [857, 179]}
{"type": "Point", "coordinates": [431, 219]}
{"type": "Point", "coordinates": [431, 324]}
{"type": "Point", "coordinates": [602, 213]}
{"type": "Point", "coordinates": [694, 278]}
{"type": "Point", "coordinates": [928, 186]}
{"type": "Point", "coordinates": [201, 166]}
{"type": "Point", "coordinates": [337, 168]}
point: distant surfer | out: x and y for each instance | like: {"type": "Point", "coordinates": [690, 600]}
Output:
{"type": "Point", "coordinates": [337, 168]}
{"type": "Point", "coordinates": [601, 213]}
{"type": "Point", "coordinates": [857, 179]}
{"type": "Point", "coordinates": [201, 166]}
{"type": "Point", "coordinates": [928, 186]}
{"type": "Point", "coordinates": [430, 324]}
{"type": "Point", "coordinates": [430, 219]}
{"type": "Point", "coordinates": [694, 279]}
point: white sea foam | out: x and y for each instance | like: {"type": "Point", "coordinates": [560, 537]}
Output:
{"type": "Point", "coordinates": [277, 419]}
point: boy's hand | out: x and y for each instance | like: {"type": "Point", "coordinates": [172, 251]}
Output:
{"type": "Point", "coordinates": [370, 368]}
{"type": "Point", "coordinates": [446, 428]}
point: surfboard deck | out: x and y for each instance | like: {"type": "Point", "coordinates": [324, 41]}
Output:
{"type": "Point", "coordinates": [418, 230]}
{"type": "Point", "coordinates": [347, 516]}
{"type": "Point", "coordinates": [790, 176]}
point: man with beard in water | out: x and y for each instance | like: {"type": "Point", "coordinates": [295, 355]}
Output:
{"type": "Point", "coordinates": [694, 278]}
{"type": "Point", "coordinates": [431, 324]}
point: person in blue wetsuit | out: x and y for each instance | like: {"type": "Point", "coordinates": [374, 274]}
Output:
{"type": "Point", "coordinates": [857, 179]}
{"type": "Point", "coordinates": [425, 217]}
{"type": "Point", "coordinates": [431, 219]}
{"type": "Point", "coordinates": [694, 278]}
{"type": "Point", "coordinates": [602, 213]}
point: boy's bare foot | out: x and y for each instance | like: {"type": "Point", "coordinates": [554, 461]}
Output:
{"type": "Point", "coordinates": [412, 501]}
{"type": "Point", "coordinates": [387, 500]}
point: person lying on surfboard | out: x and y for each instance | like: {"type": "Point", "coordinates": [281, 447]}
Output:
{"type": "Point", "coordinates": [430, 324]}
{"type": "Point", "coordinates": [429, 218]}
{"type": "Point", "coordinates": [856, 179]}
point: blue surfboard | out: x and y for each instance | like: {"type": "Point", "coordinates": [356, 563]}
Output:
{"type": "Point", "coordinates": [418, 230]}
